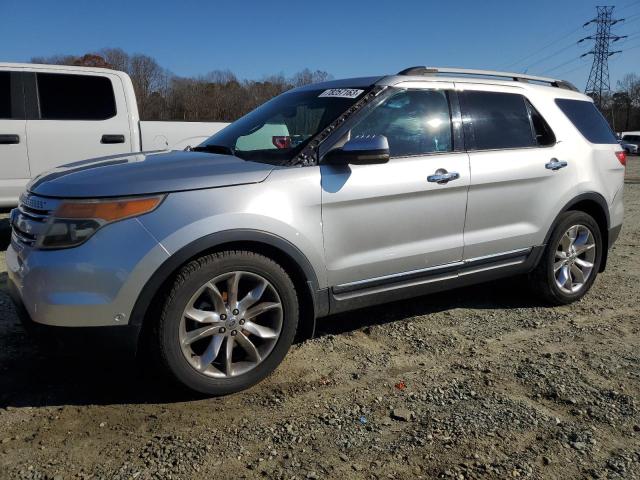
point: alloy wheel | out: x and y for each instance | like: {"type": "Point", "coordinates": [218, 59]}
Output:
{"type": "Point", "coordinates": [231, 324]}
{"type": "Point", "coordinates": [574, 259]}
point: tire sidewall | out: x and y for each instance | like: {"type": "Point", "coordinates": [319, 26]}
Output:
{"type": "Point", "coordinates": [172, 315]}
{"type": "Point", "coordinates": [567, 220]}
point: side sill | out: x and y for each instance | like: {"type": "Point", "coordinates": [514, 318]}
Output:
{"type": "Point", "coordinates": [423, 282]}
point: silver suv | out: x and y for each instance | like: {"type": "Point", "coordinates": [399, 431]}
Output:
{"type": "Point", "coordinates": [328, 198]}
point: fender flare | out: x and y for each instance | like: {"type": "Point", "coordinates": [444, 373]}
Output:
{"type": "Point", "coordinates": [208, 242]}
{"type": "Point", "coordinates": [602, 203]}
{"type": "Point", "coordinates": [596, 197]}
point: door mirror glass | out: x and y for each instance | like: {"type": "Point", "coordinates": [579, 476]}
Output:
{"type": "Point", "coordinates": [362, 150]}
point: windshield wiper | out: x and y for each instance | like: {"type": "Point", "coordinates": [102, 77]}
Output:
{"type": "Point", "coordinates": [214, 149]}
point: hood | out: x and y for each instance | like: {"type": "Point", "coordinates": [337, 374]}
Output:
{"type": "Point", "coordinates": [147, 173]}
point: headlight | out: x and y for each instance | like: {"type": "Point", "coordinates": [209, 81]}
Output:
{"type": "Point", "coordinates": [74, 221]}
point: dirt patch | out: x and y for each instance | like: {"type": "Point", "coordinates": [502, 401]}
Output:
{"type": "Point", "coordinates": [477, 382]}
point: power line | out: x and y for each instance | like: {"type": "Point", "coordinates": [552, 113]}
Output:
{"type": "Point", "coordinates": [633, 47]}
{"type": "Point", "coordinates": [572, 70]}
{"type": "Point", "coordinates": [564, 49]}
{"type": "Point", "coordinates": [562, 37]}
{"type": "Point", "coordinates": [541, 49]}
{"type": "Point", "coordinates": [629, 5]}
{"type": "Point", "coordinates": [561, 65]}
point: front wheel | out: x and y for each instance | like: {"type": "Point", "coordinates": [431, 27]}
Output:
{"type": "Point", "coordinates": [571, 260]}
{"type": "Point", "coordinates": [227, 323]}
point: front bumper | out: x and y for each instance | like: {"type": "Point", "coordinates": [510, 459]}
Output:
{"type": "Point", "coordinates": [122, 338]}
{"type": "Point", "coordinates": [92, 285]}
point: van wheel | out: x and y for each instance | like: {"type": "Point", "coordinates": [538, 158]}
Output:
{"type": "Point", "coordinates": [227, 323]}
{"type": "Point", "coordinates": [571, 260]}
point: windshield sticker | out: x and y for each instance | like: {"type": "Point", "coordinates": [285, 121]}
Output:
{"type": "Point", "coordinates": [341, 93]}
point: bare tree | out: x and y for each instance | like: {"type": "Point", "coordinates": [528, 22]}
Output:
{"type": "Point", "coordinates": [627, 101]}
{"type": "Point", "coordinates": [117, 58]}
{"type": "Point", "coordinates": [306, 77]}
{"type": "Point", "coordinates": [148, 78]}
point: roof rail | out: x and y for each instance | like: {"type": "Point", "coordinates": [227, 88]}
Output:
{"type": "Point", "coordinates": [516, 77]}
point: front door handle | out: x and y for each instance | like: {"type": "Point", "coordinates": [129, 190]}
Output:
{"type": "Point", "coordinates": [441, 176]}
{"type": "Point", "coordinates": [110, 139]}
{"type": "Point", "coordinates": [9, 139]}
{"type": "Point", "coordinates": [555, 164]}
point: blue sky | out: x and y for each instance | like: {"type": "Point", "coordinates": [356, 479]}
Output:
{"type": "Point", "coordinates": [345, 38]}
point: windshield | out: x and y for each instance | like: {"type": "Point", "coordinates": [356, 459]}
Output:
{"type": "Point", "coordinates": [278, 130]}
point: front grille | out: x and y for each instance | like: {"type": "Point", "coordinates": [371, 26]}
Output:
{"type": "Point", "coordinates": [29, 220]}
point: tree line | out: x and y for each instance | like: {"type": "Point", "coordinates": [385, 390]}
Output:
{"type": "Point", "coordinates": [621, 107]}
{"type": "Point", "coordinates": [221, 96]}
{"type": "Point", "coordinates": [217, 96]}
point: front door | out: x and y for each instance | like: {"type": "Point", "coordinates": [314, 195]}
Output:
{"type": "Point", "coordinates": [389, 219]}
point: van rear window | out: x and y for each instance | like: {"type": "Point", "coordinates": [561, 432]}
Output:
{"type": "Point", "coordinates": [588, 120]}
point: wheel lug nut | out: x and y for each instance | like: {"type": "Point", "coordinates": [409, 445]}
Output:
{"type": "Point", "coordinates": [222, 330]}
{"type": "Point", "coordinates": [236, 311]}
{"type": "Point", "coordinates": [242, 321]}
{"type": "Point", "coordinates": [233, 333]}
{"type": "Point", "coordinates": [223, 317]}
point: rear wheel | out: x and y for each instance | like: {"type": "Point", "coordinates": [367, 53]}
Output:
{"type": "Point", "coordinates": [571, 259]}
{"type": "Point", "coordinates": [228, 322]}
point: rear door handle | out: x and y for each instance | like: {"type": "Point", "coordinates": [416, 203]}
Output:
{"type": "Point", "coordinates": [9, 139]}
{"type": "Point", "coordinates": [110, 139]}
{"type": "Point", "coordinates": [441, 176]}
{"type": "Point", "coordinates": [555, 164]}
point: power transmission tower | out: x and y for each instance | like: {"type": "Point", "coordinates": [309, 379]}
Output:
{"type": "Point", "coordinates": [598, 83]}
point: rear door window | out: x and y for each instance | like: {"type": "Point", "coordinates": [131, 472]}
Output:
{"type": "Point", "coordinates": [587, 119]}
{"type": "Point", "coordinates": [498, 120]}
{"type": "Point", "coordinates": [75, 97]}
{"type": "Point", "coordinates": [5, 95]}
{"type": "Point", "coordinates": [541, 129]}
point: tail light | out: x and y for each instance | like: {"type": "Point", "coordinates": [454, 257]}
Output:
{"type": "Point", "coordinates": [281, 141]}
{"type": "Point", "coordinates": [622, 157]}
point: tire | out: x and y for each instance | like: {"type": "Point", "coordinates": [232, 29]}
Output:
{"type": "Point", "coordinates": [244, 367]}
{"type": "Point", "coordinates": [545, 279]}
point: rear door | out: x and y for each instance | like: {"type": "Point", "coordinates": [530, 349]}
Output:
{"type": "Point", "coordinates": [388, 222]}
{"type": "Point", "coordinates": [14, 166]}
{"type": "Point", "coordinates": [75, 117]}
{"type": "Point", "coordinates": [520, 174]}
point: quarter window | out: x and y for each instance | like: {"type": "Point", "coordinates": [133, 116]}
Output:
{"type": "Point", "coordinates": [5, 95]}
{"type": "Point", "coordinates": [415, 122]}
{"type": "Point", "coordinates": [588, 120]}
{"type": "Point", "coordinates": [75, 97]}
{"type": "Point", "coordinates": [499, 120]}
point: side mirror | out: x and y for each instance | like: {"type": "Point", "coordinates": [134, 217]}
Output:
{"type": "Point", "coordinates": [366, 150]}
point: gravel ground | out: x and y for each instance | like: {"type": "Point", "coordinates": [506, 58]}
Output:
{"type": "Point", "coordinates": [478, 382]}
